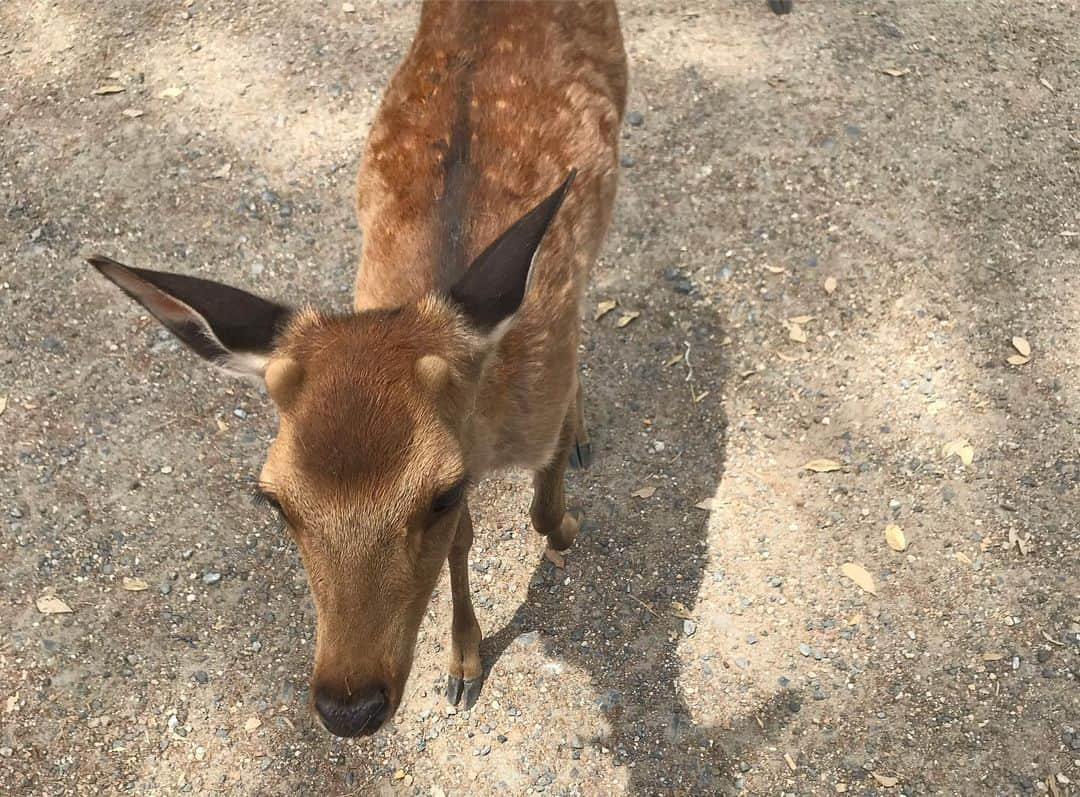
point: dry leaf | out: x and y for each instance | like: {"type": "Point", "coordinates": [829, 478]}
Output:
{"type": "Point", "coordinates": [1022, 543]}
{"type": "Point", "coordinates": [555, 557]}
{"type": "Point", "coordinates": [705, 503]}
{"type": "Point", "coordinates": [822, 465]}
{"type": "Point", "coordinates": [221, 425]}
{"type": "Point", "coordinates": [802, 319]}
{"type": "Point", "coordinates": [934, 407]}
{"type": "Point", "coordinates": [796, 333]}
{"type": "Point", "coordinates": [12, 703]}
{"type": "Point", "coordinates": [170, 93]}
{"type": "Point", "coordinates": [1050, 639]}
{"type": "Point", "coordinates": [3, 404]}
{"type": "Point", "coordinates": [858, 574]}
{"type": "Point", "coordinates": [680, 610]}
{"type": "Point", "coordinates": [348, 8]}
{"type": "Point", "coordinates": [222, 172]}
{"type": "Point", "coordinates": [252, 723]}
{"type": "Point", "coordinates": [961, 448]}
{"type": "Point", "coordinates": [993, 656]}
{"type": "Point", "coordinates": [888, 781]}
{"type": "Point", "coordinates": [644, 492]}
{"type": "Point", "coordinates": [894, 72]}
{"type": "Point", "coordinates": [1022, 346]}
{"type": "Point", "coordinates": [1017, 359]}
{"type": "Point", "coordinates": [673, 359]}
{"type": "Point", "coordinates": [132, 113]}
{"type": "Point", "coordinates": [775, 269]}
{"type": "Point", "coordinates": [963, 557]}
{"type": "Point", "coordinates": [1046, 83]}
{"type": "Point", "coordinates": [626, 318]}
{"type": "Point", "coordinates": [790, 762]}
{"type": "Point", "coordinates": [894, 536]}
{"type": "Point", "coordinates": [50, 604]}
{"type": "Point", "coordinates": [134, 584]}
{"type": "Point", "coordinates": [830, 285]}
{"type": "Point", "coordinates": [604, 307]}
{"type": "Point", "coordinates": [111, 88]}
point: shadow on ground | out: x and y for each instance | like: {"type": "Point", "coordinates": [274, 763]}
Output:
{"type": "Point", "coordinates": [636, 571]}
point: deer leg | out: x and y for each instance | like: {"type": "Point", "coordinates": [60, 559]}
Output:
{"type": "Point", "coordinates": [465, 673]}
{"type": "Point", "coordinates": [581, 450]}
{"type": "Point", "coordinates": [548, 511]}
{"type": "Point", "coordinates": [781, 6]}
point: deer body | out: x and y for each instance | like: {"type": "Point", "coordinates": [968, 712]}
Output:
{"type": "Point", "coordinates": [484, 195]}
{"type": "Point", "coordinates": [493, 106]}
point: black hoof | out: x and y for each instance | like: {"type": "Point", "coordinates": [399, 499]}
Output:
{"type": "Point", "coordinates": [580, 456]}
{"type": "Point", "coordinates": [454, 688]}
{"type": "Point", "coordinates": [781, 6]}
{"type": "Point", "coordinates": [472, 692]}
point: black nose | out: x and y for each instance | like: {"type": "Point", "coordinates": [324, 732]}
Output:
{"type": "Point", "coordinates": [362, 713]}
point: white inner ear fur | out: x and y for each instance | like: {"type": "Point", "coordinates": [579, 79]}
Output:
{"type": "Point", "coordinates": [492, 338]}
{"type": "Point", "coordinates": [244, 364]}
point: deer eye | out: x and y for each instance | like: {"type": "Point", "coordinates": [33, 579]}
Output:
{"type": "Point", "coordinates": [448, 499]}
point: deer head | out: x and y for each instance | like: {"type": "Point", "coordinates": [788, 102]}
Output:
{"type": "Point", "coordinates": [375, 448]}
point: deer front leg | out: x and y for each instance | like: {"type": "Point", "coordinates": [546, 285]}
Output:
{"type": "Point", "coordinates": [465, 673]}
{"type": "Point", "coordinates": [548, 512]}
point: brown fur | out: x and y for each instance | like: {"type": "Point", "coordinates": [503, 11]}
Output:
{"type": "Point", "coordinates": [492, 107]}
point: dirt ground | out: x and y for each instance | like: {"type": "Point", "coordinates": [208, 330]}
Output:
{"type": "Point", "coordinates": [907, 175]}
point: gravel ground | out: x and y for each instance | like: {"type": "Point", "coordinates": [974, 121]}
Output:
{"type": "Point", "coordinates": [907, 175]}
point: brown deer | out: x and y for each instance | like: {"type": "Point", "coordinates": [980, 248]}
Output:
{"type": "Point", "coordinates": [485, 192]}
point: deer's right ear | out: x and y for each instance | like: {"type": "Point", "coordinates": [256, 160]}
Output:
{"type": "Point", "coordinates": [231, 328]}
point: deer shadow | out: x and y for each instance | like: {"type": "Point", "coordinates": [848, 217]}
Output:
{"type": "Point", "coordinates": [620, 628]}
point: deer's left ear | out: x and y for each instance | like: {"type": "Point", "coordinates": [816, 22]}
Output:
{"type": "Point", "coordinates": [493, 287]}
{"type": "Point", "coordinates": [231, 328]}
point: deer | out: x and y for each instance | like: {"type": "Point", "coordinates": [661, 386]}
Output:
{"type": "Point", "coordinates": [485, 191]}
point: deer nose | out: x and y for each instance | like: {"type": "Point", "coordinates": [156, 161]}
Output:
{"type": "Point", "coordinates": [362, 713]}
